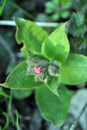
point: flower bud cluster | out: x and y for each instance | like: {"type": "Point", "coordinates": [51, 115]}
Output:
{"type": "Point", "coordinates": [42, 69]}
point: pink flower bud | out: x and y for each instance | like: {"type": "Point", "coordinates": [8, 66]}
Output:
{"type": "Point", "coordinates": [37, 69]}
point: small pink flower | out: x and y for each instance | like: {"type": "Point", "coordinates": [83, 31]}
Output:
{"type": "Point", "coordinates": [37, 69]}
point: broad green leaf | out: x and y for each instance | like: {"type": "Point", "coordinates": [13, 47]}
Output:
{"type": "Point", "coordinates": [53, 85]}
{"type": "Point", "coordinates": [53, 108]}
{"type": "Point", "coordinates": [21, 94]}
{"type": "Point", "coordinates": [74, 70]}
{"type": "Point", "coordinates": [18, 79]}
{"type": "Point", "coordinates": [30, 35]}
{"type": "Point", "coordinates": [56, 46]}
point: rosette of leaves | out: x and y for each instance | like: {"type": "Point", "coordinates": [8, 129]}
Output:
{"type": "Point", "coordinates": [52, 96]}
{"type": "Point", "coordinates": [77, 26]}
{"type": "Point", "coordinates": [58, 8]}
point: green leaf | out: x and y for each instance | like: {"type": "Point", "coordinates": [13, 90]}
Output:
{"type": "Point", "coordinates": [56, 16]}
{"type": "Point", "coordinates": [7, 121]}
{"type": "Point", "coordinates": [2, 7]}
{"type": "Point", "coordinates": [56, 46]}
{"type": "Point", "coordinates": [18, 79]}
{"type": "Point", "coordinates": [74, 70]}
{"type": "Point", "coordinates": [30, 35]}
{"type": "Point", "coordinates": [53, 108]}
{"type": "Point", "coordinates": [53, 85]}
{"type": "Point", "coordinates": [2, 93]}
{"type": "Point", "coordinates": [66, 4]}
{"type": "Point", "coordinates": [49, 7]}
{"type": "Point", "coordinates": [56, 2]}
{"type": "Point", "coordinates": [21, 94]}
{"type": "Point", "coordinates": [79, 19]}
{"type": "Point", "coordinates": [65, 14]}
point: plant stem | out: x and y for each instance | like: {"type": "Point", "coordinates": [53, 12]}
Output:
{"type": "Point", "coordinates": [73, 126]}
{"type": "Point", "coordinates": [42, 24]}
{"type": "Point", "coordinates": [17, 121]}
{"type": "Point", "coordinates": [21, 9]}
{"type": "Point", "coordinates": [7, 121]}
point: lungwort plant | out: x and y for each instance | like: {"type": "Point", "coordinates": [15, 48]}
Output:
{"type": "Point", "coordinates": [47, 68]}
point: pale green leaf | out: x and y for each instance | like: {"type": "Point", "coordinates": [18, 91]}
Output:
{"type": "Point", "coordinates": [53, 108]}
{"type": "Point", "coordinates": [74, 70]}
{"type": "Point", "coordinates": [56, 46]}
{"type": "Point", "coordinates": [18, 79]}
{"type": "Point", "coordinates": [49, 7]}
{"type": "Point", "coordinates": [53, 85]}
{"type": "Point", "coordinates": [30, 35]}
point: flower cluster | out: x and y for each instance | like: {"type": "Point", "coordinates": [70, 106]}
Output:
{"type": "Point", "coordinates": [42, 69]}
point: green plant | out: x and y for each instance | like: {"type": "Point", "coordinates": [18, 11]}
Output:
{"type": "Point", "coordinates": [77, 27]}
{"type": "Point", "coordinates": [58, 8]}
{"type": "Point", "coordinates": [47, 68]}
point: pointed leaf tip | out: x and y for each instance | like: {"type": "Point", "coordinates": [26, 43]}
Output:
{"type": "Point", "coordinates": [18, 79]}
{"type": "Point", "coordinates": [56, 46]}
